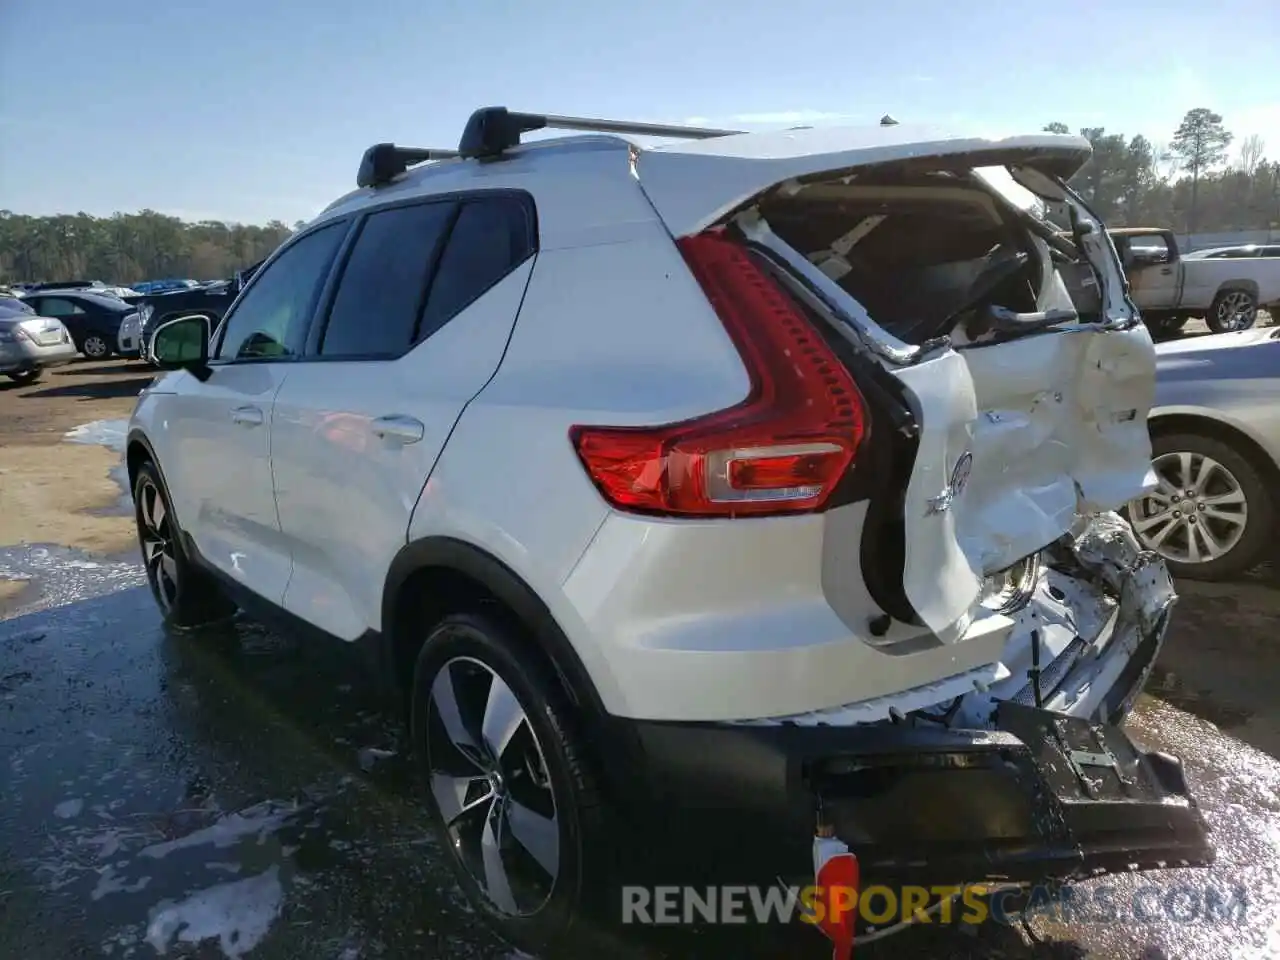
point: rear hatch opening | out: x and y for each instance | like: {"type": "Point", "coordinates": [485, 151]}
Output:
{"type": "Point", "coordinates": [1013, 372]}
{"type": "Point", "coordinates": [916, 252]}
{"type": "Point", "coordinates": [934, 253]}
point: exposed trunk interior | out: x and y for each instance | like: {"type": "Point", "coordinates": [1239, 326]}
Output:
{"type": "Point", "coordinates": [1037, 415]}
{"type": "Point", "coordinates": [927, 253]}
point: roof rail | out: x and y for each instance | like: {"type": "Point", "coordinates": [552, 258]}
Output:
{"type": "Point", "coordinates": [383, 162]}
{"type": "Point", "coordinates": [493, 130]}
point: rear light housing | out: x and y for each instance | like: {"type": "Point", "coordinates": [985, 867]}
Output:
{"type": "Point", "coordinates": [783, 450]}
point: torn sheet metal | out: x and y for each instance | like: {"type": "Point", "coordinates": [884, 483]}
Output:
{"type": "Point", "coordinates": [1102, 602]}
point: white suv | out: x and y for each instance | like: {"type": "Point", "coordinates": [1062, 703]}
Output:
{"type": "Point", "coordinates": [762, 478]}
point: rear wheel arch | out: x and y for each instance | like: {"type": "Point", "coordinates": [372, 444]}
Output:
{"type": "Point", "coordinates": [1248, 286]}
{"type": "Point", "coordinates": [437, 576]}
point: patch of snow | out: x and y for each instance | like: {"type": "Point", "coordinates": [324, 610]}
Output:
{"type": "Point", "coordinates": [68, 809]}
{"type": "Point", "coordinates": [111, 434]}
{"type": "Point", "coordinates": [260, 819]}
{"type": "Point", "coordinates": [369, 756]}
{"type": "Point", "coordinates": [110, 882]}
{"type": "Point", "coordinates": [238, 914]}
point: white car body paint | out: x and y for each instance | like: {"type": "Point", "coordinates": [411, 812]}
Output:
{"type": "Point", "coordinates": [733, 620]}
{"type": "Point", "coordinates": [344, 494]}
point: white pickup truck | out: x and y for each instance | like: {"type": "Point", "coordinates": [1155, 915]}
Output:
{"type": "Point", "coordinates": [1170, 288]}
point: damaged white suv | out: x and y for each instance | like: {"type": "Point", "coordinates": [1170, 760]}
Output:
{"type": "Point", "coordinates": [766, 479]}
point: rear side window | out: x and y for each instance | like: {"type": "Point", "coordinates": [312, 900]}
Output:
{"type": "Point", "coordinates": [384, 286]}
{"type": "Point", "coordinates": [57, 307]}
{"type": "Point", "coordinates": [492, 236]}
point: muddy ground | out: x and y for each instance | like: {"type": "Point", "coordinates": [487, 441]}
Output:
{"type": "Point", "coordinates": [242, 795]}
{"type": "Point", "coordinates": [52, 491]}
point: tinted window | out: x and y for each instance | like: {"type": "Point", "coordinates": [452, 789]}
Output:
{"type": "Point", "coordinates": [276, 308]}
{"type": "Point", "coordinates": [492, 236]}
{"type": "Point", "coordinates": [380, 296]}
{"type": "Point", "coordinates": [112, 304]}
{"type": "Point", "coordinates": [57, 307]}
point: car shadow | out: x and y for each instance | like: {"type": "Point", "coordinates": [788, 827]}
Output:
{"type": "Point", "coordinates": [100, 390]}
{"type": "Point", "coordinates": [82, 369]}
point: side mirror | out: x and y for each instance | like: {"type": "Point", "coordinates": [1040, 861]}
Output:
{"type": "Point", "coordinates": [181, 344]}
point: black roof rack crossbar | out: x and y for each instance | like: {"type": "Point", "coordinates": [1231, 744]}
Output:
{"type": "Point", "coordinates": [383, 162]}
{"type": "Point", "coordinates": [493, 130]}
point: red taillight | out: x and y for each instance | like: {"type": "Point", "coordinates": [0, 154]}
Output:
{"type": "Point", "coordinates": [782, 450]}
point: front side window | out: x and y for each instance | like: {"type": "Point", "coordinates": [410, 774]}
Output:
{"type": "Point", "coordinates": [271, 316]}
{"type": "Point", "coordinates": [1149, 248]}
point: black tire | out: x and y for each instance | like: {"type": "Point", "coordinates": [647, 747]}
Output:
{"type": "Point", "coordinates": [1164, 327]}
{"type": "Point", "coordinates": [24, 377]}
{"type": "Point", "coordinates": [452, 649]}
{"type": "Point", "coordinates": [1260, 520]}
{"type": "Point", "coordinates": [95, 346]}
{"type": "Point", "coordinates": [186, 595]}
{"type": "Point", "coordinates": [1232, 309]}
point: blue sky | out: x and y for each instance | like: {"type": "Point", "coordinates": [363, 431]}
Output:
{"type": "Point", "coordinates": [257, 109]}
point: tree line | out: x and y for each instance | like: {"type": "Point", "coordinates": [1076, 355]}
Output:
{"type": "Point", "coordinates": [1185, 185]}
{"type": "Point", "coordinates": [129, 247]}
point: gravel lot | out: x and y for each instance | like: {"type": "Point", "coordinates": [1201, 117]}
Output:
{"type": "Point", "coordinates": [243, 796]}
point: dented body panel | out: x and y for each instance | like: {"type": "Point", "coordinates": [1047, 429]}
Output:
{"type": "Point", "coordinates": [1099, 608]}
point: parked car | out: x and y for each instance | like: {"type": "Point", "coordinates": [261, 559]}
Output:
{"type": "Point", "coordinates": [120, 293]}
{"type": "Point", "coordinates": [1215, 438]}
{"type": "Point", "coordinates": [1170, 289]}
{"type": "Point", "coordinates": [651, 481]}
{"type": "Point", "coordinates": [1241, 252]}
{"type": "Point", "coordinates": [129, 342]}
{"type": "Point", "coordinates": [210, 302]}
{"type": "Point", "coordinates": [30, 343]}
{"type": "Point", "coordinates": [61, 285]}
{"type": "Point", "coordinates": [93, 319]}
{"type": "Point", "coordinates": [148, 287]}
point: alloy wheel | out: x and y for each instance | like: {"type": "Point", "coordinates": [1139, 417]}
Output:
{"type": "Point", "coordinates": [158, 551]}
{"type": "Point", "coordinates": [94, 347]}
{"type": "Point", "coordinates": [1198, 513]}
{"type": "Point", "coordinates": [488, 776]}
{"type": "Point", "coordinates": [1236, 311]}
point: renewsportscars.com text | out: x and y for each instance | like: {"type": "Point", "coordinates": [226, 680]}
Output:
{"type": "Point", "coordinates": [975, 904]}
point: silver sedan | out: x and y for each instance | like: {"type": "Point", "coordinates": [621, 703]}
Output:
{"type": "Point", "coordinates": [29, 344]}
{"type": "Point", "coordinates": [1215, 438]}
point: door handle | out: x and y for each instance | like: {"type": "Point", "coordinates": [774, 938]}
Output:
{"type": "Point", "coordinates": [247, 416]}
{"type": "Point", "coordinates": [398, 428]}
{"type": "Point", "coordinates": [1167, 271]}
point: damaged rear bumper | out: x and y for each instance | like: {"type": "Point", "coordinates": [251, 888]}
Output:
{"type": "Point", "coordinates": [1011, 785]}
{"type": "Point", "coordinates": [1042, 797]}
